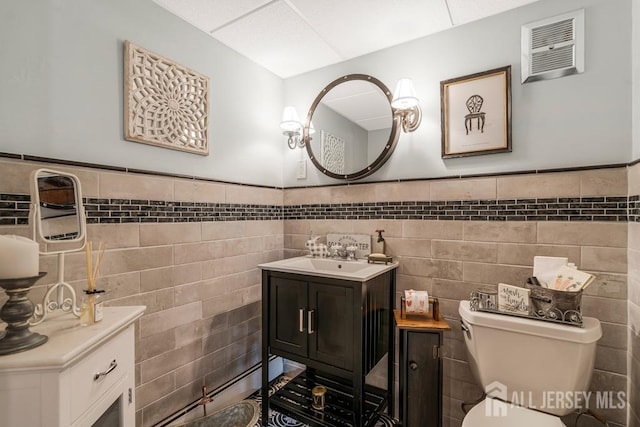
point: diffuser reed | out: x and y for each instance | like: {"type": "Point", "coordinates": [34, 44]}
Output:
{"type": "Point", "coordinates": [91, 308]}
{"type": "Point", "coordinates": [92, 270]}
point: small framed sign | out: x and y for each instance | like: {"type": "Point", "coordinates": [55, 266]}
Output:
{"type": "Point", "coordinates": [362, 242]}
{"type": "Point", "coordinates": [513, 299]}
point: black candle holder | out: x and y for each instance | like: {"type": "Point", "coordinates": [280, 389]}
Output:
{"type": "Point", "coordinates": [16, 312]}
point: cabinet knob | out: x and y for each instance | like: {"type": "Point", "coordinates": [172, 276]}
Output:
{"type": "Point", "coordinates": [413, 365]}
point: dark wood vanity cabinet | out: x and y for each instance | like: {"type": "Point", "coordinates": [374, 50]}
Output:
{"type": "Point", "coordinates": [339, 329]}
{"type": "Point", "coordinates": [420, 363]}
{"type": "Point", "coordinates": [312, 319]}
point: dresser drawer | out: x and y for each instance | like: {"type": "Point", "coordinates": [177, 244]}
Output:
{"type": "Point", "coordinates": [100, 370]}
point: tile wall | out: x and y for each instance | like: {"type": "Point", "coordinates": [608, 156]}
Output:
{"type": "Point", "coordinates": [186, 249]}
{"type": "Point", "coordinates": [634, 305]}
{"type": "Point", "coordinates": [453, 254]}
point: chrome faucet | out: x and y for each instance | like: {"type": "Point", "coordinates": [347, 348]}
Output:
{"type": "Point", "coordinates": [339, 251]}
{"type": "Point", "coordinates": [343, 252]}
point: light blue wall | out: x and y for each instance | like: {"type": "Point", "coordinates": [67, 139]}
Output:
{"type": "Point", "coordinates": [580, 120]}
{"type": "Point", "coordinates": [61, 92]}
{"type": "Point", "coordinates": [61, 89]}
{"type": "Point", "coordinates": [635, 54]}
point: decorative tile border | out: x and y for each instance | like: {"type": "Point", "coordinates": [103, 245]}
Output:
{"type": "Point", "coordinates": [634, 209]}
{"type": "Point", "coordinates": [546, 209]}
{"type": "Point", "coordinates": [124, 210]}
{"type": "Point", "coordinates": [14, 210]}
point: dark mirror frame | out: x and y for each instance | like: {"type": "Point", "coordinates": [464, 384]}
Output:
{"type": "Point", "coordinates": [389, 146]}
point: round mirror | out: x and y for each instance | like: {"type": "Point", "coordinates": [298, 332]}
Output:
{"type": "Point", "coordinates": [351, 129]}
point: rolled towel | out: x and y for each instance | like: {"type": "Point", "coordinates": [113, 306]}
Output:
{"type": "Point", "coordinates": [416, 302]}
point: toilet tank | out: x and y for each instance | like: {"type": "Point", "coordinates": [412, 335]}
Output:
{"type": "Point", "coordinates": [533, 362]}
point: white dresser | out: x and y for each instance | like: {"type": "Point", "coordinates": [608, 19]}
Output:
{"type": "Point", "coordinates": [82, 376]}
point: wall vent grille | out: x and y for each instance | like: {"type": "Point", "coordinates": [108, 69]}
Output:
{"type": "Point", "coordinates": [551, 34]}
{"type": "Point", "coordinates": [550, 60]}
{"type": "Point", "coordinates": [553, 47]}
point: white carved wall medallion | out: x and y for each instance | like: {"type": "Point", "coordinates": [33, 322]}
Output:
{"type": "Point", "coordinates": [332, 152]}
{"type": "Point", "coordinates": [166, 104]}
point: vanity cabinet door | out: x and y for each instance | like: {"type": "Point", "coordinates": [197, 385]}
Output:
{"type": "Point", "coordinates": [331, 317]}
{"type": "Point", "coordinates": [288, 315]}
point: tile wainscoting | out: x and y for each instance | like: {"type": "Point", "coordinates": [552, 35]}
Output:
{"type": "Point", "coordinates": [449, 252]}
{"type": "Point", "coordinates": [192, 256]}
{"type": "Point", "coordinates": [633, 259]}
{"type": "Point", "coordinates": [199, 280]}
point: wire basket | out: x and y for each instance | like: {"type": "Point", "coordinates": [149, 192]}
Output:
{"type": "Point", "coordinates": [555, 305]}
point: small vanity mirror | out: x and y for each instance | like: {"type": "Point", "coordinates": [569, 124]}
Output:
{"type": "Point", "coordinates": [57, 211]}
{"type": "Point", "coordinates": [57, 219]}
{"type": "Point", "coordinates": [351, 129]}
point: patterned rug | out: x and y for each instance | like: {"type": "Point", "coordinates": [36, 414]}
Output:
{"type": "Point", "coordinates": [277, 419]}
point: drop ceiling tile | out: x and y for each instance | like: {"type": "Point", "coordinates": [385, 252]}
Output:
{"type": "Point", "coordinates": [210, 14]}
{"type": "Point", "coordinates": [356, 27]}
{"type": "Point", "coordinates": [463, 11]}
{"type": "Point", "coordinates": [279, 40]}
{"type": "Point", "coordinates": [360, 107]}
{"type": "Point", "coordinates": [361, 102]}
{"type": "Point", "coordinates": [376, 123]}
{"type": "Point", "coordinates": [352, 88]}
{"type": "Point", "coordinates": [290, 37]}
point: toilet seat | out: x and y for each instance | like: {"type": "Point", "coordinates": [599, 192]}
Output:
{"type": "Point", "coordinates": [514, 416]}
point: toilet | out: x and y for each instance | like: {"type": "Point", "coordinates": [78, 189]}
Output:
{"type": "Point", "coordinates": [532, 371]}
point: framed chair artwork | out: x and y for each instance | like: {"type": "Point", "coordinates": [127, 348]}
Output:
{"type": "Point", "coordinates": [476, 113]}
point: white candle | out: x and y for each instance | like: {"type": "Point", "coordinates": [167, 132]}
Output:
{"type": "Point", "coordinates": [19, 257]}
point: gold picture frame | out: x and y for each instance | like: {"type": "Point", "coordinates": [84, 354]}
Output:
{"type": "Point", "coordinates": [165, 104]}
{"type": "Point", "coordinates": [476, 113]}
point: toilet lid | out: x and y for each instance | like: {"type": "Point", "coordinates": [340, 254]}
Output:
{"type": "Point", "coordinates": [495, 413]}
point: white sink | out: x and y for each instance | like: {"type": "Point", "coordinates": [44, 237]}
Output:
{"type": "Point", "coordinates": [326, 267]}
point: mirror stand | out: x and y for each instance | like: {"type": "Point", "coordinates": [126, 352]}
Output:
{"type": "Point", "coordinates": [60, 302]}
{"type": "Point", "coordinates": [58, 219]}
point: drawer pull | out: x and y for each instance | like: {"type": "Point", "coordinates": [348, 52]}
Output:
{"type": "Point", "coordinates": [413, 366]}
{"type": "Point", "coordinates": [112, 366]}
{"type": "Point", "coordinates": [301, 320]}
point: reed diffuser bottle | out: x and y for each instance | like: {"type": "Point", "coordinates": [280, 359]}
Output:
{"type": "Point", "coordinates": [91, 308]}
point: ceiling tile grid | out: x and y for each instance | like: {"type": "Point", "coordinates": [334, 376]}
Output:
{"type": "Point", "coordinates": [465, 11]}
{"type": "Point", "coordinates": [357, 27]}
{"type": "Point", "coordinates": [277, 38]}
{"type": "Point", "coordinates": [209, 15]}
{"type": "Point", "coordinates": [290, 37]}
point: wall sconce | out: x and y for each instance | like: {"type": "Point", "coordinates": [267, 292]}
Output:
{"type": "Point", "coordinates": [406, 105]}
{"type": "Point", "coordinates": [292, 128]}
